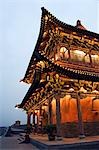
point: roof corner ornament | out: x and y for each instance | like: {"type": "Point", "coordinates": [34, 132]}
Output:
{"type": "Point", "coordinates": [78, 22]}
{"type": "Point", "coordinates": [79, 25]}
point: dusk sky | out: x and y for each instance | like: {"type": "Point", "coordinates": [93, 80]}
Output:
{"type": "Point", "coordinates": [19, 29]}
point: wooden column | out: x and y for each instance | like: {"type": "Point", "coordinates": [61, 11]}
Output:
{"type": "Point", "coordinates": [80, 121]}
{"type": "Point", "coordinates": [40, 118]}
{"type": "Point", "coordinates": [58, 117]}
{"type": "Point", "coordinates": [49, 111]}
{"type": "Point", "coordinates": [28, 119]}
{"type": "Point", "coordinates": [27, 138]}
{"type": "Point", "coordinates": [34, 118]}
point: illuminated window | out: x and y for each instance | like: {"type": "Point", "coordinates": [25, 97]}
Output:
{"type": "Point", "coordinates": [64, 53]}
{"type": "Point", "coordinates": [63, 49]}
{"type": "Point", "coordinates": [79, 56]}
{"type": "Point", "coordinates": [95, 59]}
{"type": "Point", "coordinates": [87, 59]}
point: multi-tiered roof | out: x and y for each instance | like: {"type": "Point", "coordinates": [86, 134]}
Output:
{"type": "Point", "coordinates": [63, 53]}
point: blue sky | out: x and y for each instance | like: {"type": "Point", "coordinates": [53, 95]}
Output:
{"type": "Point", "coordinates": [19, 27]}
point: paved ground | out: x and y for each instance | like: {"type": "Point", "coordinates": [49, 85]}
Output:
{"type": "Point", "coordinates": [87, 143]}
{"type": "Point", "coordinates": [13, 143]}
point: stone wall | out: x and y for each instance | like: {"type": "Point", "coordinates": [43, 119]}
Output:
{"type": "Point", "coordinates": [71, 129]}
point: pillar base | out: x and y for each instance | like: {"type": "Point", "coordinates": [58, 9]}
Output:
{"type": "Point", "coordinates": [82, 136]}
{"type": "Point", "coordinates": [58, 138]}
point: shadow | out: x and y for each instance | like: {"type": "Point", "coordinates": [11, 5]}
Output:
{"type": "Point", "coordinates": [24, 142]}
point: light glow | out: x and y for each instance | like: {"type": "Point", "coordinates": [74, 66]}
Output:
{"type": "Point", "coordinates": [95, 56]}
{"type": "Point", "coordinates": [63, 49]}
{"type": "Point", "coordinates": [82, 90]}
{"type": "Point", "coordinates": [71, 90]}
{"type": "Point", "coordinates": [79, 52]}
{"type": "Point", "coordinates": [56, 57]}
{"type": "Point", "coordinates": [95, 91]}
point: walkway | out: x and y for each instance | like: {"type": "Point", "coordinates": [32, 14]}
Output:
{"type": "Point", "coordinates": [13, 143]}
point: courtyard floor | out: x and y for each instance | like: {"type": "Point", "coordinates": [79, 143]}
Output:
{"type": "Point", "coordinates": [90, 142]}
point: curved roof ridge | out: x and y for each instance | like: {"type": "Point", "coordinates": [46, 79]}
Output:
{"type": "Point", "coordinates": [65, 25]}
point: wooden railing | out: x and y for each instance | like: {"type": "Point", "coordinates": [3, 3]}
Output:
{"type": "Point", "coordinates": [79, 66]}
